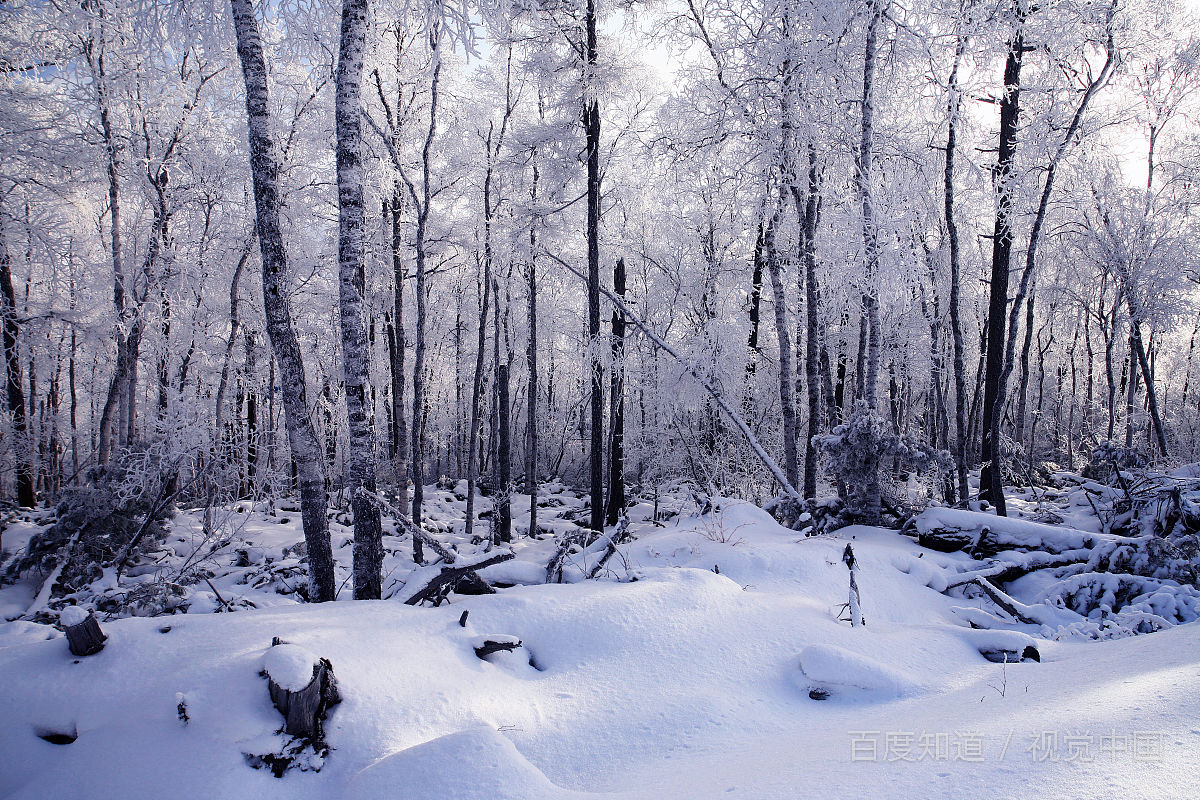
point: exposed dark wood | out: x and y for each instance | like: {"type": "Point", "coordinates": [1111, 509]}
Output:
{"type": "Point", "coordinates": [86, 638]}
{"type": "Point", "coordinates": [304, 712]}
{"type": "Point", "coordinates": [490, 646]}
{"type": "Point", "coordinates": [436, 590]}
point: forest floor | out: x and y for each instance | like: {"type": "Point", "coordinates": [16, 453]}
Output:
{"type": "Point", "coordinates": [686, 670]}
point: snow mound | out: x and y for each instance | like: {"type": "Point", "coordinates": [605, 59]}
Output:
{"type": "Point", "coordinates": [290, 666]}
{"type": "Point", "coordinates": [476, 764]}
{"type": "Point", "coordinates": [834, 666]}
{"type": "Point", "coordinates": [1187, 471]}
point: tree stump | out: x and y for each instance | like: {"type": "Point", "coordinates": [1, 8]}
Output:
{"type": "Point", "coordinates": [84, 636]}
{"type": "Point", "coordinates": [304, 707]}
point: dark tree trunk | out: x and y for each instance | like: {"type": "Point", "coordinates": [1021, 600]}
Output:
{"type": "Point", "coordinates": [356, 350]}
{"type": "Point", "coordinates": [960, 369]}
{"type": "Point", "coordinates": [591, 113]}
{"type": "Point", "coordinates": [616, 404]}
{"type": "Point", "coordinates": [15, 393]}
{"type": "Point", "coordinates": [990, 480]}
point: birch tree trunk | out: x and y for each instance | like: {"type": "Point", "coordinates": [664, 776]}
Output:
{"type": "Point", "coordinates": [787, 402]}
{"type": "Point", "coordinates": [960, 370]}
{"type": "Point", "coordinates": [356, 351]}
{"type": "Point", "coordinates": [870, 492]}
{"type": "Point", "coordinates": [400, 456]}
{"type": "Point", "coordinates": [264, 166]}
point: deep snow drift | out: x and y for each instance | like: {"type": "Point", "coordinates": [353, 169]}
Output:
{"type": "Point", "coordinates": [690, 676]}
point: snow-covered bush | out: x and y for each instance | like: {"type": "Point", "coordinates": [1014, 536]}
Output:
{"type": "Point", "coordinates": [857, 450]}
{"type": "Point", "coordinates": [106, 522]}
{"type": "Point", "coordinates": [1109, 456]}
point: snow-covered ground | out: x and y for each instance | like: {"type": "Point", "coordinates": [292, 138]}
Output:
{"type": "Point", "coordinates": [684, 672]}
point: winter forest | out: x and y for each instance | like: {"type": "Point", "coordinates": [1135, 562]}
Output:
{"type": "Point", "coordinates": [715, 398]}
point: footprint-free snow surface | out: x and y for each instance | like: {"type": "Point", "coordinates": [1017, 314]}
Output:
{"type": "Point", "coordinates": [694, 676]}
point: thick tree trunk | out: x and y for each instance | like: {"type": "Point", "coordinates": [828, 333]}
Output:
{"type": "Point", "coordinates": [356, 350]}
{"type": "Point", "coordinates": [306, 451]}
{"type": "Point", "coordinates": [15, 392]}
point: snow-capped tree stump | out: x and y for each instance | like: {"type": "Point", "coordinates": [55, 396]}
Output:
{"type": "Point", "coordinates": [84, 636]}
{"type": "Point", "coordinates": [302, 687]}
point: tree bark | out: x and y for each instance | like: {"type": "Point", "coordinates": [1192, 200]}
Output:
{"type": "Point", "coordinates": [264, 165]}
{"type": "Point", "coordinates": [616, 405]}
{"type": "Point", "coordinates": [356, 351]}
{"type": "Point", "coordinates": [591, 113]}
{"type": "Point", "coordinates": [787, 402]}
{"type": "Point", "coordinates": [991, 476]}
{"type": "Point", "coordinates": [12, 363]}
{"type": "Point", "coordinates": [960, 370]}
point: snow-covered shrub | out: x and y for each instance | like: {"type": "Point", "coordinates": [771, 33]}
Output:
{"type": "Point", "coordinates": [859, 448]}
{"type": "Point", "coordinates": [1108, 456]}
{"type": "Point", "coordinates": [115, 516]}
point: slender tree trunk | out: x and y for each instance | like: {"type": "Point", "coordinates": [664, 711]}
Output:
{"type": "Point", "coordinates": [234, 324]}
{"type": "Point", "coordinates": [616, 405]}
{"type": "Point", "coordinates": [531, 432]}
{"type": "Point", "coordinates": [306, 451]}
{"type": "Point", "coordinates": [474, 446]}
{"type": "Point", "coordinates": [812, 308]}
{"type": "Point", "coordinates": [960, 370]}
{"type": "Point", "coordinates": [591, 113]}
{"type": "Point", "coordinates": [400, 456]}
{"type": "Point", "coordinates": [991, 477]}
{"type": "Point", "coordinates": [787, 403]}
{"type": "Point", "coordinates": [756, 281]}
{"type": "Point", "coordinates": [418, 412]}
{"type": "Point", "coordinates": [356, 350]}
{"type": "Point", "coordinates": [869, 494]}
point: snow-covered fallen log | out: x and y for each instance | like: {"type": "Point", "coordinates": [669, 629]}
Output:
{"type": "Point", "coordinates": [445, 581]}
{"type": "Point", "coordinates": [984, 535]}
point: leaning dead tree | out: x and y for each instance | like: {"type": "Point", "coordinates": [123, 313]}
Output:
{"type": "Point", "coordinates": [705, 383]}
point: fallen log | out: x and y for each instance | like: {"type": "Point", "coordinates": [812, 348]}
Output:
{"type": "Point", "coordinates": [446, 581]}
{"type": "Point", "coordinates": [1018, 611]}
{"type": "Point", "coordinates": [1005, 571]}
{"type": "Point", "coordinates": [610, 546]}
{"type": "Point", "coordinates": [414, 530]}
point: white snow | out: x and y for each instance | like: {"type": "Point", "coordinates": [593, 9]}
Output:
{"type": "Point", "coordinates": [688, 678]}
{"type": "Point", "coordinates": [290, 666]}
{"type": "Point", "coordinates": [72, 615]}
{"type": "Point", "coordinates": [834, 666]}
